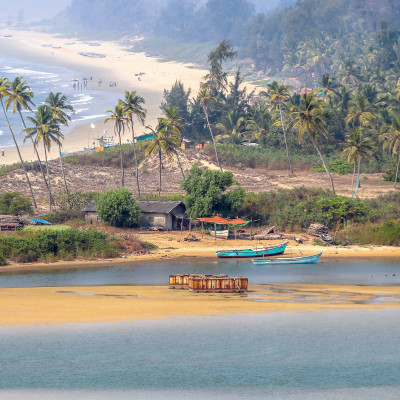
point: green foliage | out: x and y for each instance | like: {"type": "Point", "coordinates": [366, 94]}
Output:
{"type": "Point", "coordinates": [118, 208]}
{"type": "Point", "coordinates": [12, 203]}
{"type": "Point", "coordinates": [3, 260]}
{"type": "Point", "coordinates": [390, 174]}
{"type": "Point", "coordinates": [30, 246]}
{"type": "Point", "coordinates": [204, 192]}
{"type": "Point", "coordinates": [340, 166]}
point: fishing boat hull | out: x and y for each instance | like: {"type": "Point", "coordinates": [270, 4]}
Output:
{"type": "Point", "coordinates": [251, 253]}
{"type": "Point", "coordinates": [220, 234]}
{"type": "Point", "coordinates": [292, 260]}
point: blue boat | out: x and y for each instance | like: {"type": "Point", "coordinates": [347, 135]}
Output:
{"type": "Point", "coordinates": [249, 253]}
{"type": "Point", "coordinates": [292, 260]}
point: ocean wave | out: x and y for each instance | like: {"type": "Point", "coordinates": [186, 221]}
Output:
{"type": "Point", "coordinates": [83, 99]}
{"type": "Point", "coordinates": [1, 132]}
{"type": "Point", "coordinates": [79, 110]}
{"type": "Point", "coordinates": [42, 75]}
{"type": "Point", "coordinates": [88, 117]}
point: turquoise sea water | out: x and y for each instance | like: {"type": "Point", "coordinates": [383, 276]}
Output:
{"type": "Point", "coordinates": [90, 104]}
{"type": "Point", "coordinates": [324, 355]}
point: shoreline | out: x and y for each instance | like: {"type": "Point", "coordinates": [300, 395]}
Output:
{"type": "Point", "coordinates": [93, 304]}
{"type": "Point", "coordinates": [119, 66]}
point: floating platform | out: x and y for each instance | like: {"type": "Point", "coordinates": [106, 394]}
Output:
{"type": "Point", "coordinates": [208, 283]}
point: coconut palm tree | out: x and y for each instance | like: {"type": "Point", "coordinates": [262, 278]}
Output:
{"type": "Point", "coordinates": [174, 125]}
{"type": "Point", "coordinates": [391, 141]}
{"type": "Point", "coordinates": [361, 112]}
{"type": "Point", "coordinates": [120, 120]}
{"type": "Point", "coordinates": [43, 129]}
{"type": "Point", "coordinates": [58, 107]}
{"type": "Point", "coordinates": [278, 94]}
{"type": "Point", "coordinates": [330, 87]}
{"type": "Point", "coordinates": [4, 95]}
{"type": "Point", "coordinates": [350, 72]}
{"type": "Point", "coordinates": [357, 148]}
{"type": "Point", "coordinates": [162, 141]}
{"type": "Point", "coordinates": [21, 98]}
{"type": "Point", "coordinates": [309, 118]}
{"type": "Point", "coordinates": [133, 107]}
{"type": "Point", "coordinates": [205, 100]}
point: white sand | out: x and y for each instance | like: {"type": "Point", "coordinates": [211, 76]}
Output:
{"type": "Point", "coordinates": [118, 65]}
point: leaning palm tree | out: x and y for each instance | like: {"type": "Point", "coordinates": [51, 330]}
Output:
{"type": "Point", "coordinates": [205, 100]}
{"type": "Point", "coordinates": [43, 129]}
{"type": "Point", "coordinates": [278, 94]}
{"type": "Point", "coordinates": [357, 148]}
{"type": "Point", "coordinates": [4, 94]}
{"type": "Point", "coordinates": [120, 120]}
{"type": "Point", "coordinates": [57, 104]}
{"type": "Point", "coordinates": [133, 107]}
{"type": "Point", "coordinates": [391, 139]}
{"type": "Point", "coordinates": [162, 141]}
{"type": "Point", "coordinates": [309, 118]}
{"type": "Point", "coordinates": [174, 125]}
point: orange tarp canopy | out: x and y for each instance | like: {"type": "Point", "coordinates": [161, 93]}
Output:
{"type": "Point", "coordinates": [237, 222]}
{"type": "Point", "coordinates": [215, 220]}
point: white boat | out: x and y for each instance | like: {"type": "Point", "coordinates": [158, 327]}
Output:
{"type": "Point", "coordinates": [220, 234]}
{"type": "Point", "coordinates": [290, 260]}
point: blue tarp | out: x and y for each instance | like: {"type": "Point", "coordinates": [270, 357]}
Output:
{"type": "Point", "coordinates": [40, 221]}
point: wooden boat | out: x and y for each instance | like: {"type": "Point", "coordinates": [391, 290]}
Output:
{"type": "Point", "coordinates": [290, 260]}
{"type": "Point", "coordinates": [220, 234]}
{"type": "Point", "coordinates": [249, 253]}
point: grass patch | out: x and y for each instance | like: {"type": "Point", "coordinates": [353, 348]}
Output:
{"type": "Point", "coordinates": [47, 228]}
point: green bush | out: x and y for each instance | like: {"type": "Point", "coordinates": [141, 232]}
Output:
{"type": "Point", "coordinates": [118, 208]}
{"type": "Point", "coordinates": [390, 174]}
{"type": "Point", "coordinates": [3, 260]}
{"type": "Point", "coordinates": [340, 166]}
{"type": "Point", "coordinates": [12, 203]}
{"type": "Point", "coordinates": [69, 244]}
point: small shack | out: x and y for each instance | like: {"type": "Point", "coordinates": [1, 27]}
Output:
{"type": "Point", "coordinates": [10, 223]}
{"type": "Point", "coordinates": [168, 215]}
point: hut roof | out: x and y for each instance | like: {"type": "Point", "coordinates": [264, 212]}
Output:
{"type": "Point", "coordinates": [90, 207]}
{"type": "Point", "coordinates": [159, 207]}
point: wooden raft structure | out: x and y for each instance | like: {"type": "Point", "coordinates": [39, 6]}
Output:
{"type": "Point", "coordinates": [208, 283]}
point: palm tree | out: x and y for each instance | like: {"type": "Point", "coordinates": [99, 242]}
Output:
{"type": "Point", "coordinates": [120, 120]}
{"type": "Point", "coordinates": [4, 94]}
{"type": "Point", "coordinates": [350, 72]}
{"type": "Point", "coordinates": [357, 148]}
{"type": "Point", "coordinates": [309, 118]}
{"type": "Point", "coordinates": [163, 140]}
{"type": "Point", "coordinates": [205, 100]}
{"type": "Point", "coordinates": [174, 125]}
{"type": "Point", "coordinates": [330, 87]}
{"type": "Point", "coordinates": [133, 106]}
{"type": "Point", "coordinates": [233, 126]}
{"type": "Point", "coordinates": [391, 140]}
{"type": "Point", "coordinates": [57, 104]}
{"type": "Point", "coordinates": [43, 130]}
{"type": "Point", "coordinates": [361, 112]}
{"type": "Point", "coordinates": [21, 97]}
{"type": "Point", "coordinates": [277, 94]}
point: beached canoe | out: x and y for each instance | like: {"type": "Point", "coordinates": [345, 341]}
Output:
{"type": "Point", "coordinates": [249, 253]}
{"type": "Point", "coordinates": [290, 260]}
{"type": "Point", "coordinates": [220, 234]}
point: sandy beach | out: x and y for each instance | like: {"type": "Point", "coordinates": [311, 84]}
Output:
{"type": "Point", "coordinates": [59, 305]}
{"type": "Point", "coordinates": [118, 66]}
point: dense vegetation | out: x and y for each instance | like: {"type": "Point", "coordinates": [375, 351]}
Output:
{"type": "Point", "coordinates": [51, 245]}
{"type": "Point", "coordinates": [12, 203]}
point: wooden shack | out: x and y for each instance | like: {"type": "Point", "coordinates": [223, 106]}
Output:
{"type": "Point", "coordinates": [10, 223]}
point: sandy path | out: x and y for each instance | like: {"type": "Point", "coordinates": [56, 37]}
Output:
{"type": "Point", "coordinates": [36, 306]}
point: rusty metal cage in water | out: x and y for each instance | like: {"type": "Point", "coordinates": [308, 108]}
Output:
{"type": "Point", "coordinates": [208, 283]}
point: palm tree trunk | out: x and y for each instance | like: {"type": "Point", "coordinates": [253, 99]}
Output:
{"type": "Point", "coordinates": [48, 176]}
{"type": "Point", "coordinates": [19, 154]}
{"type": "Point", "coordinates": [159, 186]}
{"type": "Point", "coordinates": [180, 165]}
{"type": "Point", "coordinates": [358, 175]}
{"type": "Point", "coordinates": [38, 158]}
{"type": "Point", "coordinates": [122, 162]}
{"type": "Point", "coordinates": [136, 161]}
{"type": "Point", "coordinates": [323, 163]}
{"type": "Point", "coordinates": [352, 179]}
{"type": "Point", "coordinates": [212, 136]}
{"type": "Point", "coordinates": [397, 171]}
{"type": "Point", "coordinates": [62, 171]}
{"type": "Point", "coordinates": [284, 135]}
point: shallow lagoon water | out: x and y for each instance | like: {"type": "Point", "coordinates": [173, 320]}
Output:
{"type": "Point", "coordinates": [360, 272]}
{"type": "Point", "coordinates": [329, 355]}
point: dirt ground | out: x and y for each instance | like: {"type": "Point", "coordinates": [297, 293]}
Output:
{"type": "Point", "coordinates": [93, 178]}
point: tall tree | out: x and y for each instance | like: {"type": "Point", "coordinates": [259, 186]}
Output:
{"type": "Point", "coordinates": [5, 94]}
{"type": "Point", "coordinates": [309, 118]}
{"type": "Point", "coordinates": [21, 98]}
{"type": "Point", "coordinates": [277, 95]}
{"type": "Point", "coordinates": [43, 129]}
{"type": "Point", "coordinates": [133, 107]}
{"type": "Point", "coordinates": [58, 107]}
{"type": "Point", "coordinates": [120, 121]}
{"type": "Point", "coordinates": [205, 100]}
{"type": "Point", "coordinates": [391, 141]}
{"type": "Point", "coordinates": [361, 113]}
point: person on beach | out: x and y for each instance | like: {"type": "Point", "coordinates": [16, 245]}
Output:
{"type": "Point", "coordinates": [2, 152]}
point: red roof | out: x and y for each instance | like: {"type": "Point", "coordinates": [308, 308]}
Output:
{"type": "Point", "coordinates": [215, 220]}
{"type": "Point", "coordinates": [237, 221]}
